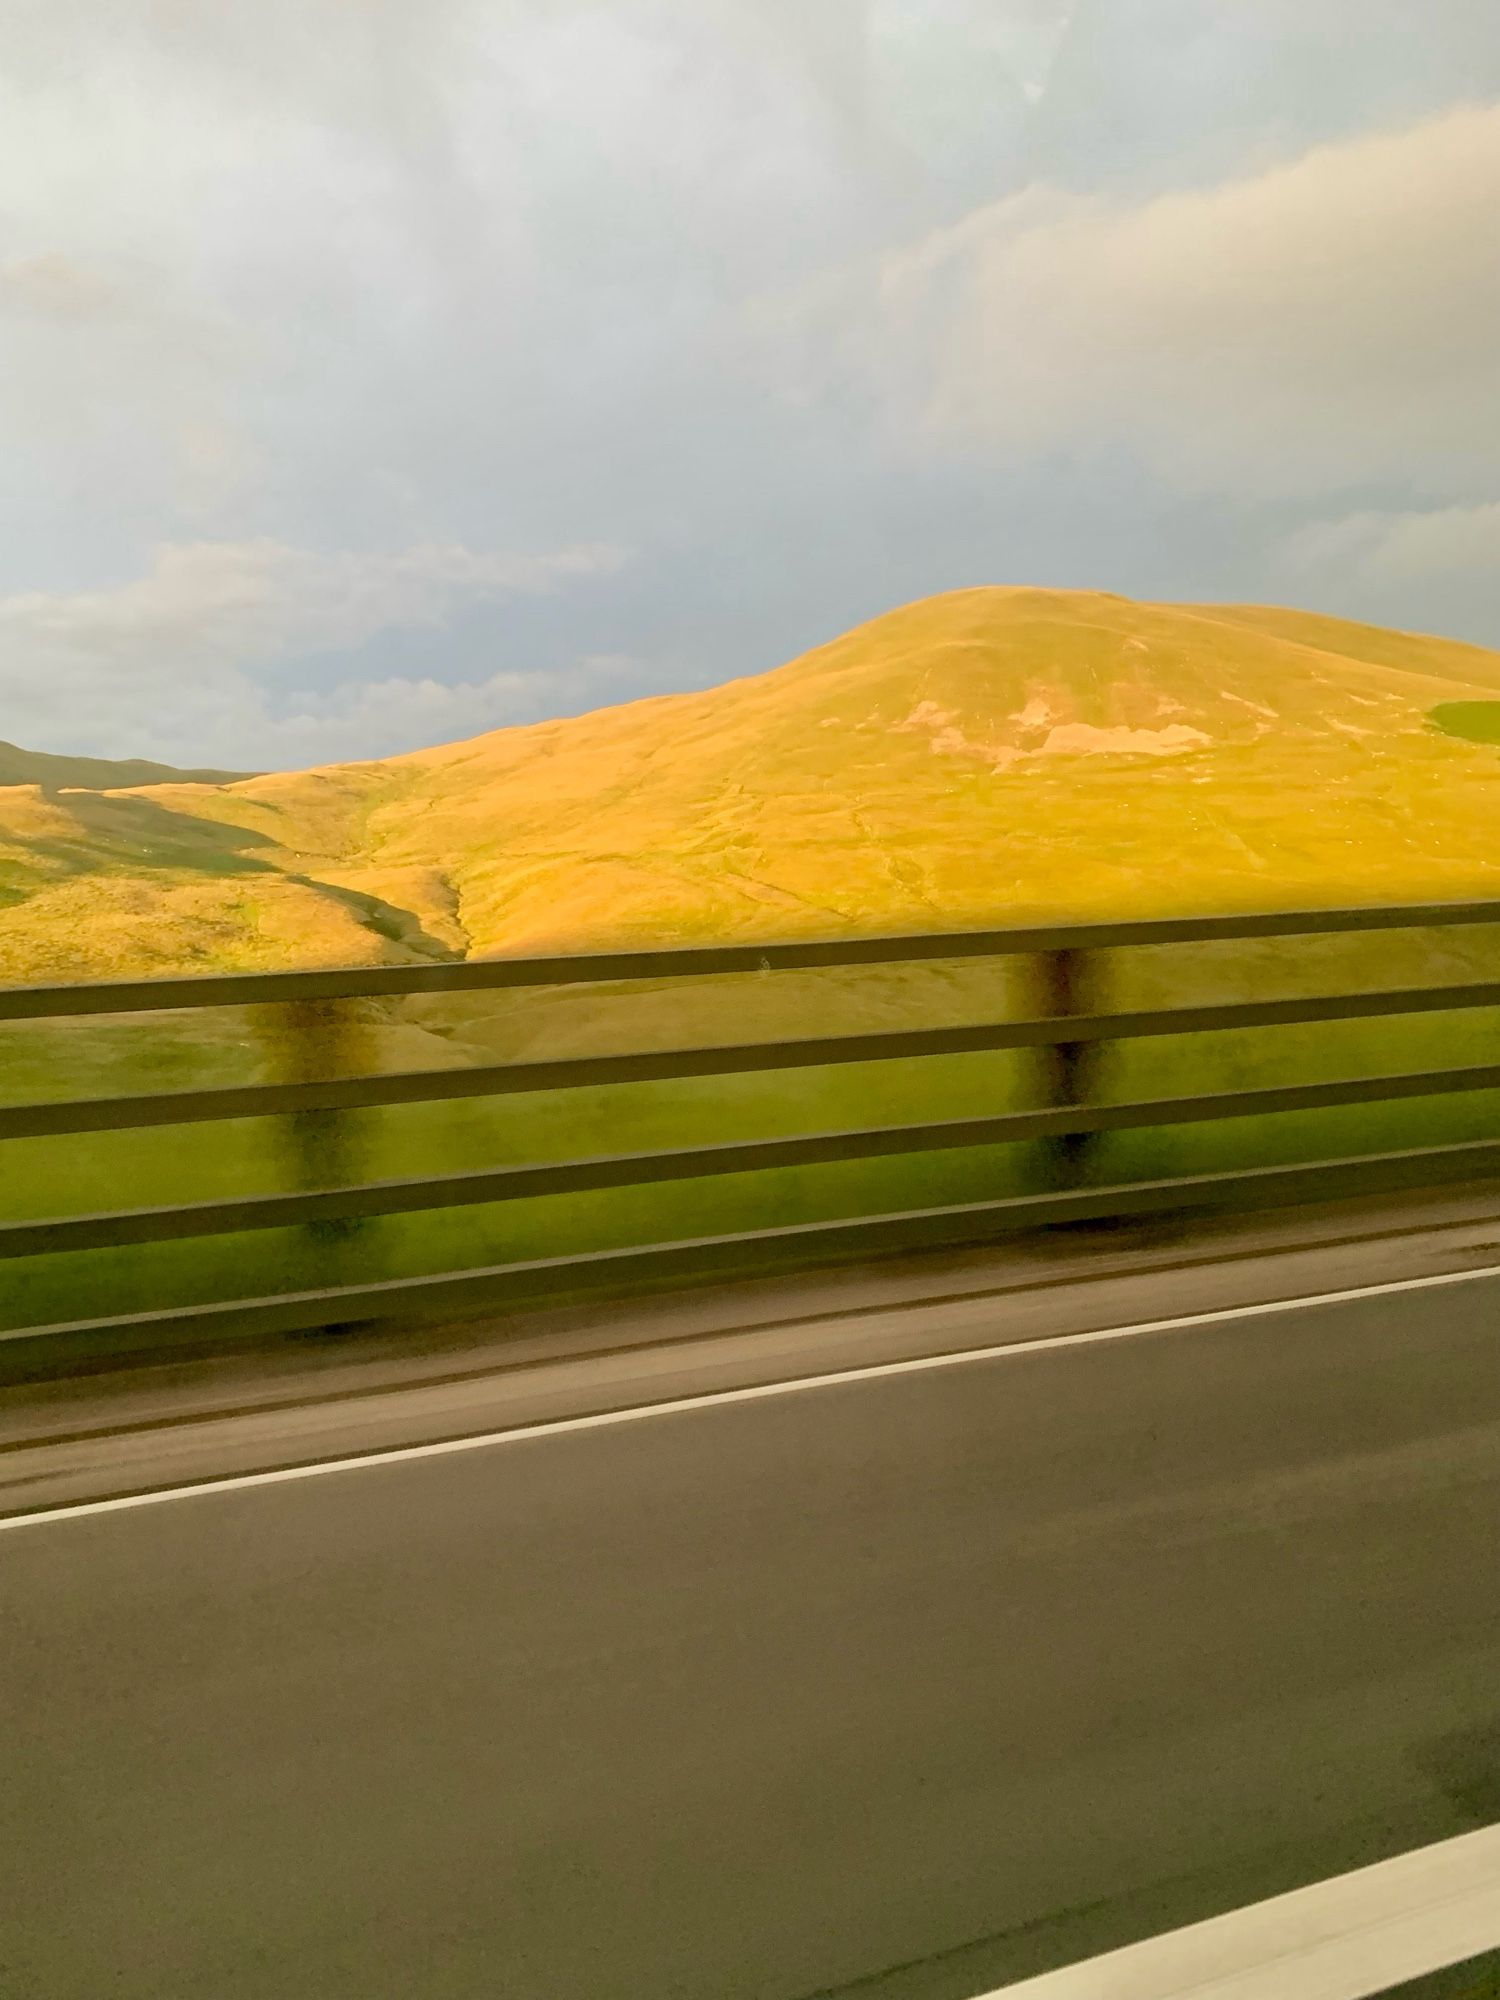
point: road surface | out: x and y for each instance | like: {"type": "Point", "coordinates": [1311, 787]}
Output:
{"type": "Point", "coordinates": [899, 1685]}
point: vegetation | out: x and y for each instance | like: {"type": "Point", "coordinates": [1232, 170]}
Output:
{"type": "Point", "coordinates": [988, 756]}
{"type": "Point", "coordinates": [1471, 721]}
{"type": "Point", "coordinates": [96, 774]}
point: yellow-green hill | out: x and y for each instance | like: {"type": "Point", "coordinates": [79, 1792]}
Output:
{"type": "Point", "coordinates": [989, 755]}
{"type": "Point", "coordinates": [96, 774]}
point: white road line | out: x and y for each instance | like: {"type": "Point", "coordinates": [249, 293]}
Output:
{"type": "Point", "coordinates": [713, 1398]}
{"type": "Point", "coordinates": [1349, 1938]}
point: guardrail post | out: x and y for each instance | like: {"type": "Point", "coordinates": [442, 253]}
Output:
{"type": "Point", "coordinates": [1065, 979]}
{"type": "Point", "coordinates": [309, 1041]}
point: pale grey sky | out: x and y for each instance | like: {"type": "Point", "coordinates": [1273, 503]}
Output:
{"type": "Point", "coordinates": [372, 374]}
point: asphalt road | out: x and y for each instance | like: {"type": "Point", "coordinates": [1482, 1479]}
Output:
{"type": "Point", "coordinates": [899, 1686]}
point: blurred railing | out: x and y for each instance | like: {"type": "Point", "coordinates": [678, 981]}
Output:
{"type": "Point", "coordinates": [1065, 1123]}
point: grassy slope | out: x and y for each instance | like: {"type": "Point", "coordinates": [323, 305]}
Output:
{"type": "Point", "coordinates": [987, 754]}
{"type": "Point", "coordinates": [96, 774]}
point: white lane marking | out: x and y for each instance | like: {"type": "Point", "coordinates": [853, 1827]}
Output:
{"type": "Point", "coordinates": [758, 1392]}
{"type": "Point", "coordinates": [1348, 1938]}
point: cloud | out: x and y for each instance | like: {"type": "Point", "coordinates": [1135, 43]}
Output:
{"type": "Point", "coordinates": [1439, 568]}
{"type": "Point", "coordinates": [193, 650]}
{"type": "Point", "coordinates": [237, 603]}
{"type": "Point", "coordinates": [366, 718]}
{"type": "Point", "coordinates": [1297, 330]}
{"type": "Point", "coordinates": [1394, 549]}
{"type": "Point", "coordinates": [55, 287]}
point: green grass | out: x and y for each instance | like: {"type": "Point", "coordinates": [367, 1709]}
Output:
{"type": "Point", "coordinates": [129, 1169]}
{"type": "Point", "coordinates": [41, 767]}
{"type": "Point", "coordinates": [1470, 721]}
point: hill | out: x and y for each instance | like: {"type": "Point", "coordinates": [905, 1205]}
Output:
{"type": "Point", "coordinates": [97, 774]}
{"type": "Point", "coordinates": [988, 755]}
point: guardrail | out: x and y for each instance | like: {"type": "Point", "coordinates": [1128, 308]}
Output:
{"type": "Point", "coordinates": [1065, 1122]}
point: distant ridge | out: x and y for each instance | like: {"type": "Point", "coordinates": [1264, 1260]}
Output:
{"type": "Point", "coordinates": [97, 774]}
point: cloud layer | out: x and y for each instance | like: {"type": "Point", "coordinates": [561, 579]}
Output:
{"type": "Point", "coordinates": [1435, 568]}
{"type": "Point", "coordinates": [1303, 329]}
{"type": "Point", "coordinates": [170, 656]}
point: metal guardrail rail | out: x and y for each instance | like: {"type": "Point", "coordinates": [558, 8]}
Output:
{"type": "Point", "coordinates": [241, 989]}
{"type": "Point", "coordinates": [1065, 1121]}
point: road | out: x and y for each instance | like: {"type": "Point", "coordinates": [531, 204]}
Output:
{"type": "Point", "coordinates": [898, 1685]}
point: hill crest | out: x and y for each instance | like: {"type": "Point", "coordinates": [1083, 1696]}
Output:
{"type": "Point", "coordinates": [54, 772]}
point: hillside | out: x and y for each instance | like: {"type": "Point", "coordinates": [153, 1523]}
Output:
{"type": "Point", "coordinates": [96, 774]}
{"type": "Point", "coordinates": [989, 755]}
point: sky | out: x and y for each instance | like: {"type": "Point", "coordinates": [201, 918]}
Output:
{"type": "Point", "coordinates": [374, 374]}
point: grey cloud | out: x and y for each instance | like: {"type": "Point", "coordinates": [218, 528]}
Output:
{"type": "Point", "coordinates": [55, 287]}
{"type": "Point", "coordinates": [358, 718]}
{"type": "Point", "coordinates": [1145, 95]}
{"type": "Point", "coordinates": [1302, 329]}
{"type": "Point", "coordinates": [245, 601]}
{"type": "Point", "coordinates": [1434, 568]}
{"type": "Point", "coordinates": [205, 614]}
